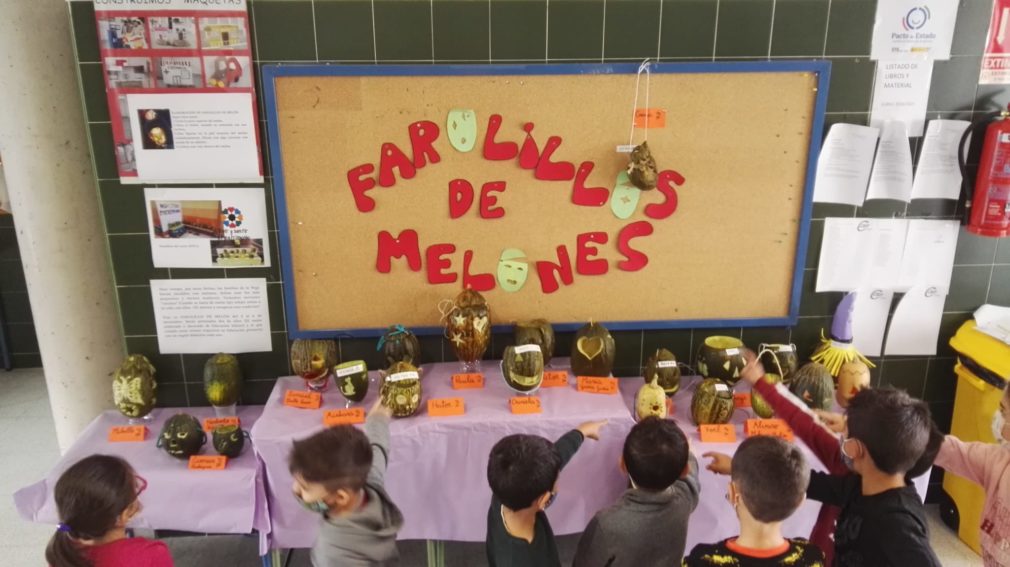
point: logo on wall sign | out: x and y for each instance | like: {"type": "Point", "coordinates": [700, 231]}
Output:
{"type": "Point", "coordinates": [916, 18]}
{"type": "Point", "coordinates": [231, 217]}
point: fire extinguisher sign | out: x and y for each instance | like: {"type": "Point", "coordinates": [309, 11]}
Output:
{"type": "Point", "coordinates": [996, 59]}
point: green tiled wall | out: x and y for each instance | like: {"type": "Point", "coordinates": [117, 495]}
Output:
{"type": "Point", "coordinates": [537, 31]}
{"type": "Point", "coordinates": [15, 311]}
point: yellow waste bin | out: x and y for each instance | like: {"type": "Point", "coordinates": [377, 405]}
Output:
{"type": "Point", "coordinates": [983, 368]}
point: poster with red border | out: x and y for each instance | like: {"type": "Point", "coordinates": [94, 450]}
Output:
{"type": "Point", "coordinates": [180, 82]}
{"type": "Point", "coordinates": [996, 58]}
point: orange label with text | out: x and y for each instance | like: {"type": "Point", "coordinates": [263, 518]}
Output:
{"type": "Point", "coordinates": [525, 404]}
{"type": "Point", "coordinates": [207, 463]}
{"type": "Point", "coordinates": [717, 433]}
{"type": "Point", "coordinates": [771, 427]}
{"type": "Point", "coordinates": [127, 433]}
{"type": "Point", "coordinates": [596, 385]}
{"type": "Point", "coordinates": [467, 381]}
{"type": "Point", "coordinates": [442, 407]}
{"type": "Point", "coordinates": [554, 379]}
{"type": "Point", "coordinates": [212, 423]}
{"type": "Point", "coordinates": [347, 416]}
{"type": "Point", "coordinates": [650, 118]}
{"type": "Point", "coordinates": [302, 400]}
{"type": "Point", "coordinates": [741, 400]}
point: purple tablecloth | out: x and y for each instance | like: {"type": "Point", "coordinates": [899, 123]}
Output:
{"type": "Point", "coordinates": [714, 519]}
{"type": "Point", "coordinates": [437, 471]}
{"type": "Point", "coordinates": [232, 500]}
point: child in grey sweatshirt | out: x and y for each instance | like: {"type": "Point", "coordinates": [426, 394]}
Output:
{"type": "Point", "coordinates": [648, 524]}
{"type": "Point", "coordinates": [339, 474]}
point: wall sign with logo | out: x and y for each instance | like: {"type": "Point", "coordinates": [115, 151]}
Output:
{"type": "Point", "coordinates": [913, 29]}
{"type": "Point", "coordinates": [996, 59]}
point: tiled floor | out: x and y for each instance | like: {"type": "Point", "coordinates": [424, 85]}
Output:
{"type": "Point", "coordinates": [28, 448]}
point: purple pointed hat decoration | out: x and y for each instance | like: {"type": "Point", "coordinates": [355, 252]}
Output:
{"type": "Point", "coordinates": [841, 325]}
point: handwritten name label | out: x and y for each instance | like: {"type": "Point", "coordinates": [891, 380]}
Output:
{"type": "Point", "coordinates": [596, 385]}
{"type": "Point", "coordinates": [302, 400]}
{"type": "Point", "coordinates": [666, 364]}
{"type": "Point", "coordinates": [527, 348]}
{"type": "Point", "coordinates": [554, 379]}
{"type": "Point", "coordinates": [650, 118]}
{"type": "Point", "coordinates": [400, 376]}
{"type": "Point", "coordinates": [732, 351]}
{"type": "Point", "coordinates": [347, 416]}
{"type": "Point", "coordinates": [771, 427]}
{"type": "Point", "coordinates": [207, 462]}
{"type": "Point", "coordinates": [717, 433]}
{"type": "Point", "coordinates": [341, 372]}
{"type": "Point", "coordinates": [442, 407]}
{"type": "Point", "coordinates": [525, 404]}
{"type": "Point", "coordinates": [127, 433]}
{"type": "Point", "coordinates": [741, 400]}
{"type": "Point", "coordinates": [467, 381]}
{"type": "Point", "coordinates": [212, 423]}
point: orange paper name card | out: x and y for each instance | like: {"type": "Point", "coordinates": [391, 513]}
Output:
{"type": "Point", "coordinates": [347, 416]}
{"type": "Point", "coordinates": [596, 385]}
{"type": "Point", "coordinates": [717, 433]}
{"type": "Point", "coordinates": [650, 118]}
{"type": "Point", "coordinates": [302, 400]}
{"type": "Point", "coordinates": [525, 404]}
{"type": "Point", "coordinates": [555, 379]}
{"type": "Point", "coordinates": [207, 463]}
{"type": "Point", "coordinates": [772, 427]}
{"type": "Point", "coordinates": [741, 400]}
{"type": "Point", "coordinates": [442, 407]}
{"type": "Point", "coordinates": [467, 381]}
{"type": "Point", "coordinates": [212, 423]}
{"type": "Point", "coordinates": [127, 433]}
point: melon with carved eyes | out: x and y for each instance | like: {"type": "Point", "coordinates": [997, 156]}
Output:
{"type": "Point", "coordinates": [852, 377]}
{"type": "Point", "coordinates": [182, 436]}
{"type": "Point", "coordinates": [722, 358]}
{"type": "Point", "coordinates": [650, 400]}
{"type": "Point", "coordinates": [228, 440]}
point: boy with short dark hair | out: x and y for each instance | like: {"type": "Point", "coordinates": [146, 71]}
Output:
{"type": "Point", "coordinates": [768, 483]}
{"type": "Point", "coordinates": [648, 524]}
{"type": "Point", "coordinates": [338, 473]}
{"type": "Point", "coordinates": [523, 472]}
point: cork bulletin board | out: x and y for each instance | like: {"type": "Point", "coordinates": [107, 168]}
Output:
{"type": "Point", "coordinates": [384, 211]}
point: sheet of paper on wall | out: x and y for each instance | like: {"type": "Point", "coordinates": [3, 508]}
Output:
{"type": "Point", "coordinates": [900, 93]}
{"type": "Point", "coordinates": [843, 167]}
{"type": "Point", "coordinates": [913, 29]}
{"type": "Point", "coordinates": [996, 56]}
{"type": "Point", "coordinates": [929, 253]}
{"type": "Point", "coordinates": [869, 319]}
{"type": "Point", "coordinates": [938, 175]}
{"type": "Point", "coordinates": [915, 326]}
{"type": "Point", "coordinates": [892, 168]}
{"type": "Point", "coordinates": [211, 315]}
{"type": "Point", "coordinates": [858, 253]}
{"type": "Point", "coordinates": [994, 321]}
{"type": "Point", "coordinates": [208, 228]}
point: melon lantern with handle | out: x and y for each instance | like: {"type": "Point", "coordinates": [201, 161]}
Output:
{"type": "Point", "coordinates": [722, 358]}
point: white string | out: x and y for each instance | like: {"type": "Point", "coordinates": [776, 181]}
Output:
{"type": "Point", "coordinates": [634, 107]}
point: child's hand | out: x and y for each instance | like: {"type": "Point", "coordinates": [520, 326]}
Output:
{"type": "Point", "coordinates": [835, 421]}
{"type": "Point", "coordinates": [379, 409]}
{"type": "Point", "coordinates": [721, 462]}
{"type": "Point", "coordinates": [754, 370]}
{"type": "Point", "coordinates": [591, 429]}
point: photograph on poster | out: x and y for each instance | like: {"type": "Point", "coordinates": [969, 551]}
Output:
{"type": "Point", "coordinates": [180, 72]}
{"type": "Point", "coordinates": [223, 33]}
{"type": "Point", "coordinates": [237, 252]}
{"type": "Point", "coordinates": [129, 72]}
{"type": "Point", "coordinates": [173, 32]}
{"type": "Point", "coordinates": [226, 72]}
{"type": "Point", "coordinates": [122, 33]}
{"type": "Point", "coordinates": [156, 128]}
{"type": "Point", "coordinates": [186, 219]}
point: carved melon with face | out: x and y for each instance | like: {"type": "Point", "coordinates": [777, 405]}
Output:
{"type": "Point", "coordinates": [523, 368]}
{"type": "Point", "coordinates": [468, 326]}
{"type": "Point", "coordinates": [134, 387]}
{"type": "Point", "coordinates": [722, 358]}
{"type": "Point", "coordinates": [182, 436]}
{"type": "Point", "coordinates": [593, 351]}
{"type": "Point", "coordinates": [401, 389]}
{"type": "Point", "coordinates": [853, 377]}
{"type": "Point", "coordinates": [663, 366]}
{"type": "Point", "coordinates": [228, 440]}
{"type": "Point", "coordinates": [536, 332]}
{"type": "Point", "coordinates": [650, 400]}
{"type": "Point", "coordinates": [312, 360]}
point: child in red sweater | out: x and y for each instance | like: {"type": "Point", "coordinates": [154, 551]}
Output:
{"type": "Point", "coordinates": [96, 498]}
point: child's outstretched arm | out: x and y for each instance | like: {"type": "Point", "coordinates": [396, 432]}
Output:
{"type": "Point", "coordinates": [973, 461]}
{"type": "Point", "coordinates": [377, 430]}
{"type": "Point", "coordinates": [570, 442]}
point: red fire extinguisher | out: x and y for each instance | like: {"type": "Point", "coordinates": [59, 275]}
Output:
{"type": "Point", "coordinates": [988, 209]}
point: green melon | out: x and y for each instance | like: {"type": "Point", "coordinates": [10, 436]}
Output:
{"type": "Point", "coordinates": [311, 358]}
{"type": "Point", "coordinates": [399, 345]}
{"type": "Point", "coordinates": [182, 436]}
{"type": "Point", "coordinates": [352, 379]}
{"type": "Point", "coordinates": [536, 332]}
{"type": "Point", "coordinates": [400, 392]}
{"type": "Point", "coordinates": [593, 351]}
{"type": "Point", "coordinates": [222, 380]}
{"type": "Point", "coordinates": [522, 367]}
{"type": "Point", "coordinates": [134, 387]}
{"type": "Point", "coordinates": [663, 367]}
{"type": "Point", "coordinates": [228, 440]}
{"type": "Point", "coordinates": [712, 402]}
{"type": "Point", "coordinates": [722, 358]}
{"type": "Point", "coordinates": [779, 359]}
{"type": "Point", "coordinates": [761, 406]}
{"type": "Point", "coordinates": [813, 384]}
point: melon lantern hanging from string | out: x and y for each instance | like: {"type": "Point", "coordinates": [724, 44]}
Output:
{"type": "Point", "coordinates": [838, 350]}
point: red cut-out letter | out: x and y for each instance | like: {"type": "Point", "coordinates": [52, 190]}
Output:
{"type": "Point", "coordinates": [437, 264]}
{"type": "Point", "coordinates": [460, 197]}
{"type": "Point", "coordinates": [422, 142]}
{"type": "Point", "coordinates": [488, 210]}
{"type": "Point", "coordinates": [667, 179]}
{"type": "Point", "coordinates": [548, 170]}
{"type": "Point", "coordinates": [587, 196]}
{"type": "Point", "coordinates": [360, 181]}
{"type": "Point", "coordinates": [563, 270]}
{"type": "Point", "coordinates": [498, 151]}
{"type": "Point", "coordinates": [403, 245]}
{"type": "Point", "coordinates": [635, 259]}
{"type": "Point", "coordinates": [586, 250]}
{"type": "Point", "coordinates": [529, 155]}
{"type": "Point", "coordinates": [476, 282]}
{"type": "Point", "coordinates": [393, 157]}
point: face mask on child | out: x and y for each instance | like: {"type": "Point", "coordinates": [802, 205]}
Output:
{"type": "Point", "coordinates": [998, 421]}
{"type": "Point", "coordinates": [849, 464]}
{"type": "Point", "coordinates": [318, 507]}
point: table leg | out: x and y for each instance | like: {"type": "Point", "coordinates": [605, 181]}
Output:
{"type": "Point", "coordinates": [275, 558]}
{"type": "Point", "coordinates": [436, 553]}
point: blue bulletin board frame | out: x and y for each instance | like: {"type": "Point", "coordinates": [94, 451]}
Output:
{"type": "Point", "coordinates": [821, 68]}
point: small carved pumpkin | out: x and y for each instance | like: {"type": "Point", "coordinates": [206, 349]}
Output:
{"type": "Point", "coordinates": [229, 440]}
{"type": "Point", "coordinates": [663, 366]}
{"type": "Point", "coordinates": [650, 400]}
{"type": "Point", "coordinates": [593, 351]}
{"type": "Point", "coordinates": [853, 377]}
{"type": "Point", "coordinates": [722, 358]}
{"type": "Point", "coordinates": [182, 436]}
{"type": "Point", "coordinates": [523, 368]}
{"type": "Point", "coordinates": [134, 387]}
{"type": "Point", "coordinates": [401, 389]}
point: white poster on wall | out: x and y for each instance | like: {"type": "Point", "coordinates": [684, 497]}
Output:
{"type": "Point", "coordinates": [208, 228]}
{"type": "Point", "coordinates": [913, 29]}
{"type": "Point", "coordinates": [900, 93]}
{"type": "Point", "coordinates": [211, 315]}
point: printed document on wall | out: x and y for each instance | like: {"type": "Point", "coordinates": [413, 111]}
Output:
{"type": "Point", "coordinates": [843, 167]}
{"type": "Point", "coordinates": [869, 319]}
{"type": "Point", "coordinates": [915, 326]}
{"type": "Point", "coordinates": [892, 168]}
{"type": "Point", "coordinates": [195, 316]}
{"type": "Point", "coordinates": [929, 253]}
{"type": "Point", "coordinates": [900, 93]}
{"type": "Point", "coordinates": [938, 175]}
{"type": "Point", "coordinates": [858, 253]}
